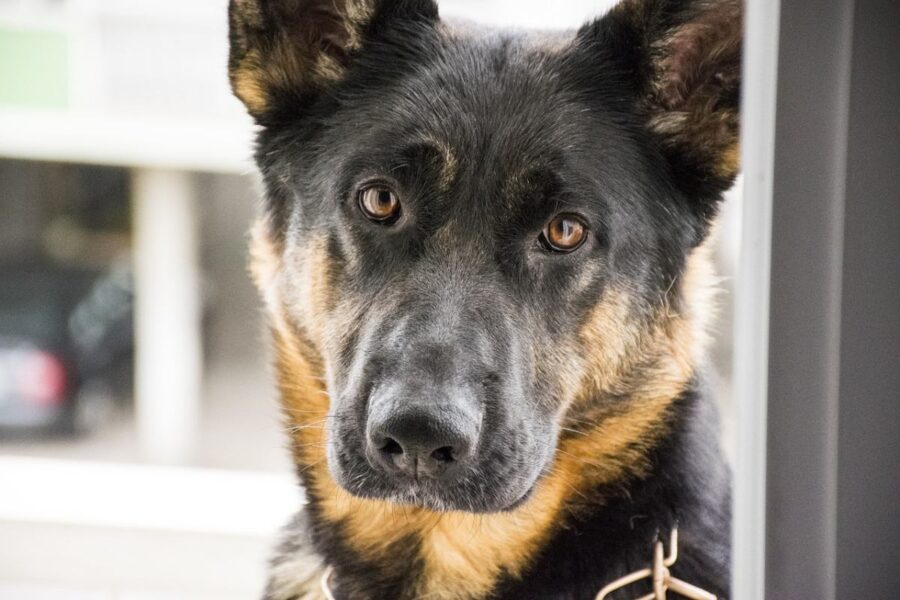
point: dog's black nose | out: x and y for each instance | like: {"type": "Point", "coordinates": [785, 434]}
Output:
{"type": "Point", "coordinates": [421, 440]}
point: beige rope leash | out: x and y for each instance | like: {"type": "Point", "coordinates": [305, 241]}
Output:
{"type": "Point", "coordinates": [661, 577]}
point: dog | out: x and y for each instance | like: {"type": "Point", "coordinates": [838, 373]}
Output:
{"type": "Point", "coordinates": [483, 257]}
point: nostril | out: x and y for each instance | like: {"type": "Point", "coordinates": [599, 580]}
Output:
{"type": "Point", "coordinates": [392, 447]}
{"type": "Point", "coordinates": [443, 454]}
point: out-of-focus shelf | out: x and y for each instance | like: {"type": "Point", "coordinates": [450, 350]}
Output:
{"type": "Point", "coordinates": [103, 531]}
{"type": "Point", "coordinates": [218, 146]}
{"type": "Point", "coordinates": [40, 561]}
{"type": "Point", "coordinates": [151, 498]}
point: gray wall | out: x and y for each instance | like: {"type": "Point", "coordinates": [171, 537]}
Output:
{"type": "Point", "coordinates": [833, 513]}
{"type": "Point", "coordinates": [868, 475]}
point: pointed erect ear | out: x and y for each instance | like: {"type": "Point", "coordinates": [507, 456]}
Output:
{"type": "Point", "coordinates": [686, 57]}
{"type": "Point", "coordinates": [294, 49]}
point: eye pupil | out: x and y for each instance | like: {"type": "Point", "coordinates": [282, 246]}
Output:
{"type": "Point", "coordinates": [379, 203]}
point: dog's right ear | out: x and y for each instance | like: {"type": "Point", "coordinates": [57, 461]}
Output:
{"type": "Point", "coordinates": [291, 50]}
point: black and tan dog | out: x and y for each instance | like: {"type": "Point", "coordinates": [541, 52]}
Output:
{"type": "Point", "coordinates": [482, 256]}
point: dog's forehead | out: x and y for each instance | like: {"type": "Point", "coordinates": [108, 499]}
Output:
{"type": "Point", "coordinates": [494, 96]}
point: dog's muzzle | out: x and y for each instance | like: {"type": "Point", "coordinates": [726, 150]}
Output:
{"type": "Point", "coordinates": [420, 431]}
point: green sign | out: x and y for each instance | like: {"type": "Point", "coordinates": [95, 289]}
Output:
{"type": "Point", "coordinates": [34, 68]}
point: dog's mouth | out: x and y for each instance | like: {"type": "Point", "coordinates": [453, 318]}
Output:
{"type": "Point", "coordinates": [438, 498]}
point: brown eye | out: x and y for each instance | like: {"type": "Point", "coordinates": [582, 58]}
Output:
{"type": "Point", "coordinates": [564, 233]}
{"type": "Point", "coordinates": [379, 203]}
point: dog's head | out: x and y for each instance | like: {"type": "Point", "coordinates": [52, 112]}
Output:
{"type": "Point", "coordinates": [477, 244]}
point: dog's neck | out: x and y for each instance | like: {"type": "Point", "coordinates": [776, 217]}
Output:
{"type": "Point", "coordinates": [687, 487]}
{"type": "Point", "coordinates": [584, 537]}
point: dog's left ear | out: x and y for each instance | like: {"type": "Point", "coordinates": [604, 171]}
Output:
{"type": "Point", "coordinates": [683, 59]}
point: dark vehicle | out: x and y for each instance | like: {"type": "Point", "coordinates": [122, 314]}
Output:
{"type": "Point", "coordinates": [66, 346]}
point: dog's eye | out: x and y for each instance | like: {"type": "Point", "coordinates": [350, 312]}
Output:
{"type": "Point", "coordinates": [564, 233]}
{"type": "Point", "coordinates": [379, 203]}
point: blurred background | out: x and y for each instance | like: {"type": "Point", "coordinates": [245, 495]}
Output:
{"type": "Point", "coordinates": [140, 452]}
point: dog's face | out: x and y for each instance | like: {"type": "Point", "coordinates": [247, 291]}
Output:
{"type": "Point", "coordinates": [477, 235]}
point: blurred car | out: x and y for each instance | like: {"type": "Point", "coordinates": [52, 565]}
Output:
{"type": "Point", "coordinates": [66, 346]}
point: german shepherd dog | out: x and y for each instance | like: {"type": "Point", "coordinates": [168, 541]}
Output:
{"type": "Point", "coordinates": [483, 258]}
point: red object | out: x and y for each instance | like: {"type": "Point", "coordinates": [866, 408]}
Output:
{"type": "Point", "coordinates": [43, 379]}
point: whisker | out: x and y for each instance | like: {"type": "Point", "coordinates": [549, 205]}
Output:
{"type": "Point", "coordinates": [573, 431]}
{"type": "Point", "coordinates": [310, 466]}
{"type": "Point", "coordinates": [580, 459]}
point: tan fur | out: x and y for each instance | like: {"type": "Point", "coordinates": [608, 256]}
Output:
{"type": "Point", "coordinates": [449, 163]}
{"type": "Point", "coordinates": [249, 88]}
{"type": "Point", "coordinates": [729, 164]}
{"type": "Point", "coordinates": [465, 554]}
{"type": "Point", "coordinates": [265, 264]}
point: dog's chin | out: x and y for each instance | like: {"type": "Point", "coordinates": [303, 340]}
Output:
{"type": "Point", "coordinates": [437, 498]}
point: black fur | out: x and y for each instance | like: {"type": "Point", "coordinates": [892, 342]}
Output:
{"type": "Point", "coordinates": [486, 136]}
{"type": "Point", "coordinates": [688, 488]}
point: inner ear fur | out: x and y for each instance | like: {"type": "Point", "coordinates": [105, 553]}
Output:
{"type": "Point", "coordinates": [686, 57]}
{"type": "Point", "coordinates": [294, 49]}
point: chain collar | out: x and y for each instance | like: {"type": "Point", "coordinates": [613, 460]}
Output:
{"type": "Point", "coordinates": [659, 573]}
{"type": "Point", "coordinates": [326, 583]}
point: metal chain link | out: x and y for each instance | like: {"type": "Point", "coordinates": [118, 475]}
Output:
{"type": "Point", "coordinates": [660, 575]}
